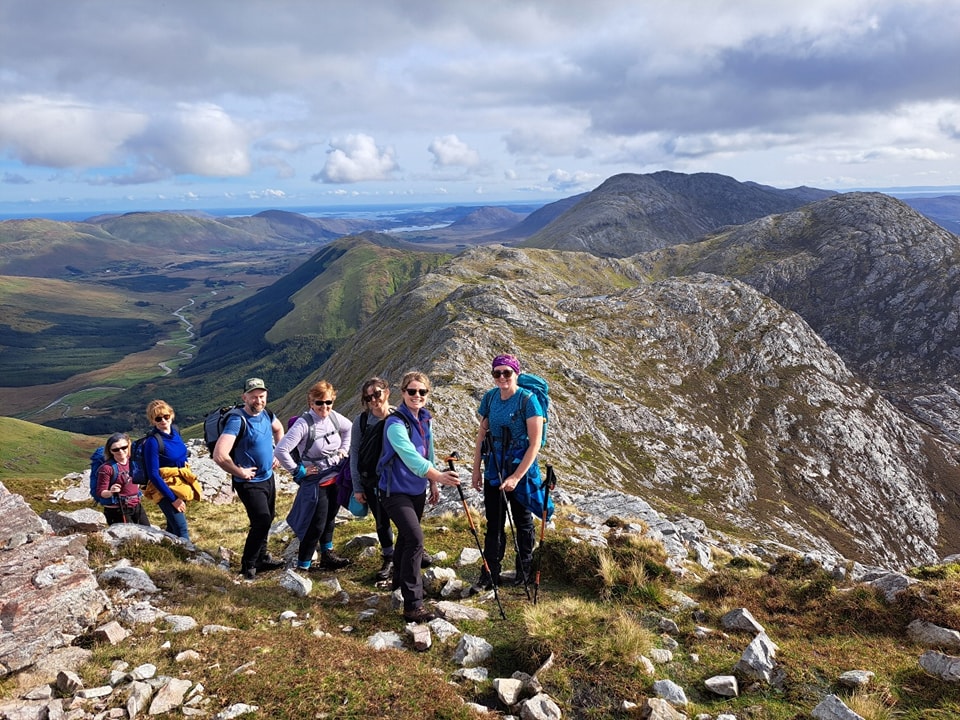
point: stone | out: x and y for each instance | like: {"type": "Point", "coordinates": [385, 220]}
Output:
{"type": "Point", "coordinates": [112, 633]}
{"type": "Point", "coordinates": [179, 623]}
{"type": "Point", "coordinates": [945, 667]}
{"type": "Point", "coordinates": [472, 651]}
{"type": "Point", "coordinates": [49, 595]}
{"type": "Point", "coordinates": [933, 636]}
{"type": "Point", "coordinates": [540, 707]}
{"type": "Point", "coordinates": [855, 679]}
{"type": "Point", "coordinates": [508, 690]}
{"type": "Point", "coordinates": [420, 636]}
{"type": "Point", "coordinates": [671, 692]}
{"type": "Point", "coordinates": [723, 685]}
{"type": "Point", "coordinates": [741, 619]}
{"type": "Point", "coordinates": [169, 696]}
{"type": "Point", "coordinates": [757, 661]}
{"type": "Point", "coordinates": [833, 708]}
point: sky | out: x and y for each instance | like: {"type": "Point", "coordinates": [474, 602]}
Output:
{"type": "Point", "coordinates": [180, 104]}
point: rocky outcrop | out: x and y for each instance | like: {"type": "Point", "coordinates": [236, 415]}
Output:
{"type": "Point", "coordinates": [48, 594]}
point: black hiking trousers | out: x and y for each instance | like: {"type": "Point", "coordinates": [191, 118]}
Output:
{"type": "Point", "coordinates": [495, 540]}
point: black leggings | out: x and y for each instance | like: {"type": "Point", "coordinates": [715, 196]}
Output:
{"type": "Point", "coordinates": [406, 511]}
{"type": "Point", "coordinates": [135, 514]}
{"type": "Point", "coordinates": [259, 499]}
{"type": "Point", "coordinates": [322, 523]}
{"type": "Point", "coordinates": [495, 540]}
{"type": "Point", "coordinates": [384, 533]}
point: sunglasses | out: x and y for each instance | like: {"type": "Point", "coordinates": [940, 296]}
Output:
{"type": "Point", "coordinates": [119, 448]}
{"type": "Point", "coordinates": [412, 392]}
{"type": "Point", "coordinates": [318, 403]}
{"type": "Point", "coordinates": [158, 418]}
{"type": "Point", "coordinates": [375, 395]}
{"type": "Point", "coordinates": [508, 373]}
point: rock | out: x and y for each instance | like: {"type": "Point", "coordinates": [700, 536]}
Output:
{"type": "Point", "coordinates": [508, 690]}
{"type": "Point", "coordinates": [297, 584]}
{"type": "Point", "coordinates": [48, 595]}
{"type": "Point", "coordinates": [833, 708]}
{"type": "Point", "coordinates": [469, 556]}
{"type": "Point", "coordinates": [131, 577]}
{"type": "Point", "coordinates": [457, 611]}
{"type": "Point", "coordinates": [757, 661]}
{"type": "Point", "coordinates": [945, 667]}
{"type": "Point", "coordinates": [723, 685]}
{"type": "Point", "coordinates": [933, 636]}
{"type": "Point", "coordinates": [855, 679]}
{"type": "Point", "coordinates": [68, 682]}
{"type": "Point", "coordinates": [169, 696]}
{"type": "Point", "coordinates": [235, 711]}
{"type": "Point", "coordinates": [539, 707]}
{"type": "Point", "coordinates": [85, 520]}
{"type": "Point", "coordinates": [660, 709]}
{"type": "Point", "coordinates": [741, 619]}
{"type": "Point", "coordinates": [385, 640]}
{"type": "Point", "coordinates": [420, 636]}
{"type": "Point", "coordinates": [138, 697]}
{"type": "Point", "coordinates": [112, 632]}
{"type": "Point", "coordinates": [472, 651]}
{"type": "Point", "coordinates": [671, 692]}
{"type": "Point", "coordinates": [661, 656]}
{"type": "Point", "coordinates": [892, 584]}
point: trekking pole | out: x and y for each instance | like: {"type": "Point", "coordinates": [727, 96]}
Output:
{"type": "Point", "coordinates": [451, 458]}
{"type": "Point", "coordinates": [505, 440]}
{"type": "Point", "coordinates": [550, 482]}
{"type": "Point", "coordinates": [119, 501]}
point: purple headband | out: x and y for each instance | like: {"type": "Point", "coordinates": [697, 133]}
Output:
{"type": "Point", "coordinates": [508, 360]}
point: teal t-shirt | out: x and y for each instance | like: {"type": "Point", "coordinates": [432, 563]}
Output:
{"type": "Point", "coordinates": [255, 447]}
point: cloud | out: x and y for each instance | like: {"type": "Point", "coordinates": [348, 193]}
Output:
{"type": "Point", "coordinates": [450, 151]}
{"type": "Point", "coordinates": [64, 133]}
{"type": "Point", "coordinates": [9, 178]}
{"type": "Point", "coordinates": [196, 139]}
{"type": "Point", "coordinates": [564, 181]}
{"type": "Point", "coordinates": [357, 158]}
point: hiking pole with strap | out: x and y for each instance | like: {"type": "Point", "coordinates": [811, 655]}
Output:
{"type": "Point", "coordinates": [504, 442]}
{"type": "Point", "coordinates": [454, 456]}
{"type": "Point", "coordinates": [550, 482]}
{"type": "Point", "coordinates": [123, 513]}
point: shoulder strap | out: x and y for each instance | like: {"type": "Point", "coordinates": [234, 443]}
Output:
{"type": "Point", "coordinates": [364, 420]}
{"type": "Point", "coordinates": [488, 399]}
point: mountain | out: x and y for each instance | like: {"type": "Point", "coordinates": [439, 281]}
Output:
{"type": "Point", "coordinates": [878, 281]}
{"type": "Point", "coordinates": [944, 210]}
{"type": "Point", "coordinates": [631, 213]}
{"type": "Point", "coordinates": [698, 394]}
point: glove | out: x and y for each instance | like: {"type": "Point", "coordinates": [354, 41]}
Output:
{"type": "Point", "coordinates": [299, 474]}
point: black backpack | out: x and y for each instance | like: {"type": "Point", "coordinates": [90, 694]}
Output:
{"type": "Point", "coordinates": [214, 422]}
{"type": "Point", "coordinates": [371, 444]}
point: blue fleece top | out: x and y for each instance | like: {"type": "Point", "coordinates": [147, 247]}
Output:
{"type": "Point", "coordinates": [174, 455]}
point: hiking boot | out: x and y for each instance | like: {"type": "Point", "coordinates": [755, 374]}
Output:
{"type": "Point", "coordinates": [248, 574]}
{"type": "Point", "coordinates": [483, 583]}
{"type": "Point", "coordinates": [427, 560]}
{"type": "Point", "coordinates": [420, 615]}
{"type": "Point", "coordinates": [386, 569]}
{"type": "Point", "coordinates": [329, 560]}
{"type": "Point", "coordinates": [269, 562]}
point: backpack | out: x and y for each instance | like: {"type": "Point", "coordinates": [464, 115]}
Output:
{"type": "Point", "coordinates": [311, 433]}
{"type": "Point", "coordinates": [539, 387]}
{"type": "Point", "coordinates": [371, 446]}
{"type": "Point", "coordinates": [215, 420]}
{"type": "Point", "coordinates": [138, 466]}
{"type": "Point", "coordinates": [531, 384]}
{"type": "Point", "coordinates": [96, 462]}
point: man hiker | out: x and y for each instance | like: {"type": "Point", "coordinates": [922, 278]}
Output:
{"type": "Point", "coordinates": [245, 450]}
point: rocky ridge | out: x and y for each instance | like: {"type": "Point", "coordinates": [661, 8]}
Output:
{"type": "Point", "coordinates": [698, 394]}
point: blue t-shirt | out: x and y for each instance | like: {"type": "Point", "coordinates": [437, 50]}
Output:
{"type": "Point", "coordinates": [511, 413]}
{"type": "Point", "coordinates": [255, 447]}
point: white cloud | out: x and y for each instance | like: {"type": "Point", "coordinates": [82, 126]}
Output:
{"type": "Point", "coordinates": [357, 158]}
{"type": "Point", "coordinates": [63, 133]}
{"type": "Point", "coordinates": [578, 181]}
{"type": "Point", "coordinates": [450, 151]}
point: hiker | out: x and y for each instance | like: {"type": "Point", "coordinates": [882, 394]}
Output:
{"type": "Point", "coordinates": [171, 482]}
{"type": "Point", "coordinates": [245, 450]}
{"type": "Point", "coordinates": [115, 479]}
{"type": "Point", "coordinates": [375, 399]}
{"type": "Point", "coordinates": [321, 438]}
{"type": "Point", "coordinates": [405, 468]}
{"type": "Point", "coordinates": [506, 416]}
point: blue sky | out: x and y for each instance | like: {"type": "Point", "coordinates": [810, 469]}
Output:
{"type": "Point", "coordinates": [227, 103]}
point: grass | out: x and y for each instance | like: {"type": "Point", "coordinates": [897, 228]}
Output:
{"type": "Point", "coordinates": [599, 610]}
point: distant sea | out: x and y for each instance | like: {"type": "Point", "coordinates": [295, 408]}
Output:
{"type": "Point", "coordinates": [373, 212]}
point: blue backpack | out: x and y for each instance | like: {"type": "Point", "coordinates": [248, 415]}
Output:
{"type": "Point", "coordinates": [99, 457]}
{"type": "Point", "coordinates": [531, 384]}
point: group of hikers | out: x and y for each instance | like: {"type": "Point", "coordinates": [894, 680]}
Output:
{"type": "Point", "coordinates": [319, 445]}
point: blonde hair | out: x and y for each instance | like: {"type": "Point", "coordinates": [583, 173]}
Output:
{"type": "Point", "coordinates": [159, 407]}
{"type": "Point", "coordinates": [414, 376]}
{"type": "Point", "coordinates": [318, 390]}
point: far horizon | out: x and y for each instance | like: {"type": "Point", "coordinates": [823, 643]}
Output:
{"type": "Point", "coordinates": [70, 211]}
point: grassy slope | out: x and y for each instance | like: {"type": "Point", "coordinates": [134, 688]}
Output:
{"type": "Point", "coordinates": [597, 610]}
